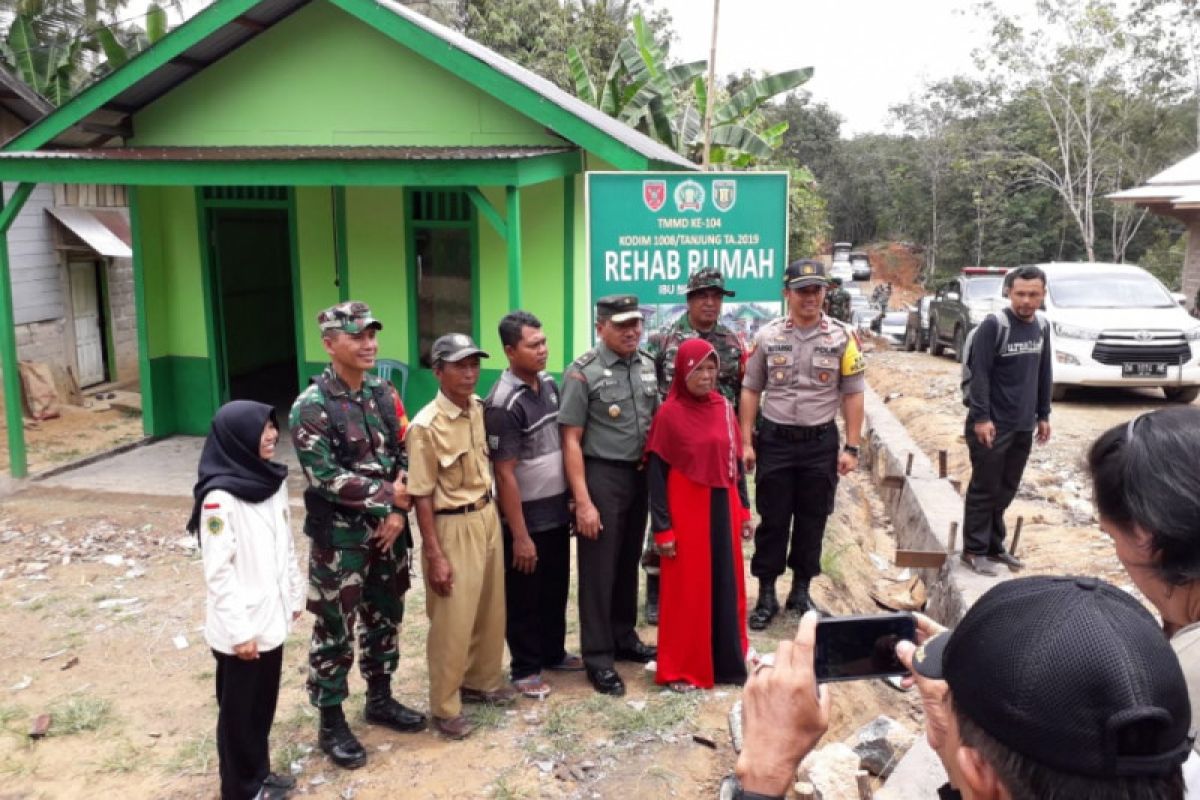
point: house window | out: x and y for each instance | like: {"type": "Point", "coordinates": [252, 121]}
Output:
{"type": "Point", "coordinates": [442, 229]}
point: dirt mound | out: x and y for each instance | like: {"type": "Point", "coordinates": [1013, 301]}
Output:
{"type": "Point", "coordinates": [898, 263]}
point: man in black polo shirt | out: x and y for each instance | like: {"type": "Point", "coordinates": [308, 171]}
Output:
{"type": "Point", "coordinates": [521, 417]}
{"type": "Point", "coordinates": [1009, 399]}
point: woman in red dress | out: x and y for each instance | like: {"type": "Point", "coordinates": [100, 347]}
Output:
{"type": "Point", "coordinates": [698, 511]}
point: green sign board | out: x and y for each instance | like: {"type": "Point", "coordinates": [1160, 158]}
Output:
{"type": "Point", "coordinates": [647, 231]}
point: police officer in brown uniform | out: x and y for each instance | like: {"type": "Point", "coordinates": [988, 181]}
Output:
{"type": "Point", "coordinates": [809, 365]}
{"type": "Point", "coordinates": [609, 396]}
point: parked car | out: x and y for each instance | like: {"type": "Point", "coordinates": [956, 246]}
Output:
{"type": "Point", "coordinates": [916, 327]}
{"type": "Point", "coordinates": [893, 326]}
{"type": "Point", "coordinates": [853, 291]}
{"type": "Point", "coordinates": [840, 267]}
{"type": "Point", "coordinates": [861, 318]}
{"type": "Point", "coordinates": [860, 266]}
{"type": "Point", "coordinates": [960, 304]}
{"type": "Point", "coordinates": [1116, 325]}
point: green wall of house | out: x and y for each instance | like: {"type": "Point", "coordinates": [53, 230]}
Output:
{"type": "Point", "coordinates": [321, 77]}
{"type": "Point", "coordinates": [179, 293]}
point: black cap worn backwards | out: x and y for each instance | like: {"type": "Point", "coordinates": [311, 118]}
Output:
{"type": "Point", "coordinates": [805, 272]}
{"type": "Point", "coordinates": [1072, 673]}
{"type": "Point", "coordinates": [454, 347]}
{"type": "Point", "coordinates": [618, 308]}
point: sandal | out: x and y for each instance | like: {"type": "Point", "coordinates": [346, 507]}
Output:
{"type": "Point", "coordinates": [570, 663]}
{"type": "Point", "coordinates": [682, 687]}
{"type": "Point", "coordinates": [532, 687]}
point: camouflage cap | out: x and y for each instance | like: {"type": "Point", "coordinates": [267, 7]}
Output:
{"type": "Point", "coordinates": [348, 317]}
{"type": "Point", "coordinates": [708, 278]}
{"type": "Point", "coordinates": [454, 347]}
{"type": "Point", "coordinates": [805, 272]}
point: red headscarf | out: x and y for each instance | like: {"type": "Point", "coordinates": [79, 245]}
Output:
{"type": "Point", "coordinates": [697, 435]}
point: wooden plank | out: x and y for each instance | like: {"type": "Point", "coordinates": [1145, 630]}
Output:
{"type": "Point", "coordinates": [920, 559]}
{"type": "Point", "coordinates": [893, 482]}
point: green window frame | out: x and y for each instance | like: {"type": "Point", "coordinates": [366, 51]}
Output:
{"type": "Point", "coordinates": [439, 218]}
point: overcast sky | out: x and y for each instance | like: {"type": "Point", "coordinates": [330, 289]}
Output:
{"type": "Point", "coordinates": [867, 54]}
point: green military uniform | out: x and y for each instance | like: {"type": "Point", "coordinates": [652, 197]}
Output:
{"type": "Point", "coordinates": [838, 301]}
{"type": "Point", "coordinates": [352, 471]}
{"type": "Point", "coordinates": [613, 399]}
{"type": "Point", "coordinates": [664, 344]}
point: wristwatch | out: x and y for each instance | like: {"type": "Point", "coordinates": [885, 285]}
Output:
{"type": "Point", "coordinates": [852, 449]}
{"type": "Point", "coordinates": [731, 789]}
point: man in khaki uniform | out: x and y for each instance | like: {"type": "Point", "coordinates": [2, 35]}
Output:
{"type": "Point", "coordinates": [462, 551]}
{"type": "Point", "coordinates": [809, 366]}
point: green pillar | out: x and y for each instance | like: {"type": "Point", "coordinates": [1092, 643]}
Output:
{"type": "Point", "coordinates": [513, 222]}
{"type": "Point", "coordinates": [17, 461]}
{"type": "Point", "coordinates": [150, 424]}
{"type": "Point", "coordinates": [568, 269]}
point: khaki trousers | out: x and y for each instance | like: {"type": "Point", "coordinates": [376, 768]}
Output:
{"type": "Point", "coordinates": [465, 647]}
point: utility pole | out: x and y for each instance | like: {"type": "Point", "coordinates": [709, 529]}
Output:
{"type": "Point", "coordinates": [711, 98]}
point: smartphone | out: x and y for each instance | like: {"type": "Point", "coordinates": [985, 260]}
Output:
{"type": "Point", "coordinates": [861, 647]}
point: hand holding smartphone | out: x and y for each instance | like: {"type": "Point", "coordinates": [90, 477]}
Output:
{"type": "Point", "coordinates": [861, 647]}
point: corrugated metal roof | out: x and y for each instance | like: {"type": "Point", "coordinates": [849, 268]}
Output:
{"type": "Point", "coordinates": [628, 136]}
{"type": "Point", "coordinates": [22, 101]}
{"type": "Point", "coordinates": [268, 12]}
{"type": "Point", "coordinates": [334, 153]}
{"type": "Point", "coordinates": [94, 229]}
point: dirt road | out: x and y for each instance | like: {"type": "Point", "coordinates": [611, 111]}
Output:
{"type": "Point", "coordinates": [1060, 533]}
{"type": "Point", "coordinates": [101, 599]}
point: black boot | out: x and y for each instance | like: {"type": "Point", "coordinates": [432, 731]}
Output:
{"type": "Point", "coordinates": [766, 608]}
{"type": "Point", "coordinates": [651, 599]}
{"type": "Point", "coordinates": [798, 600]}
{"type": "Point", "coordinates": [336, 740]}
{"type": "Point", "coordinates": [382, 709]}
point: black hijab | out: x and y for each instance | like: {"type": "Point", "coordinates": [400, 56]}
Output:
{"type": "Point", "coordinates": [230, 458]}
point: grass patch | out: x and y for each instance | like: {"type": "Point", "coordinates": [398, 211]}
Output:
{"type": "Point", "coordinates": [663, 712]}
{"type": "Point", "coordinates": [9, 714]}
{"type": "Point", "coordinates": [204, 675]}
{"type": "Point", "coordinates": [831, 564]}
{"type": "Point", "coordinates": [80, 714]}
{"type": "Point", "coordinates": [287, 754]}
{"type": "Point", "coordinates": [500, 790]}
{"type": "Point", "coordinates": [196, 756]}
{"type": "Point", "coordinates": [122, 758]}
{"type": "Point", "coordinates": [487, 717]}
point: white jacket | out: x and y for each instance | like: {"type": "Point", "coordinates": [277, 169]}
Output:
{"type": "Point", "coordinates": [254, 583]}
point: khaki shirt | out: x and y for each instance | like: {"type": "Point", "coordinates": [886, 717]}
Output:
{"type": "Point", "coordinates": [447, 454]}
{"type": "Point", "coordinates": [613, 400]}
{"type": "Point", "coordinates": [804, 372]}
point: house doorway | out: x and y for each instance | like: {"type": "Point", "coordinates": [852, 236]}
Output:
{"type": "Point", "coordinates": [88, 315]}
{"type": "Point", "coordinates": [253, 324]}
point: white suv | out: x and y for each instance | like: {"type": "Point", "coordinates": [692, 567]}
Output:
{"type": "Point", "coordinates": [1116, 325]}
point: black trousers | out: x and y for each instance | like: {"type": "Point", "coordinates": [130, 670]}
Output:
{"type": "Point", "coordinates": [796, 483]}
{"type": "Point", "coordinates": [995, 475]}
{"type": "Point", "coordinates": [246, 695]}
{"type": "Point", "coordinates": [536, 604]}
{"type": "Point", "coordinates": [608, 564]}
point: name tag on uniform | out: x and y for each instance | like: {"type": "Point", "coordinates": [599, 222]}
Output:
{"type": "Point", "coordinates": [779, 348]}
{"type": "Point", "coordinates": [648, 377]}
{"type": "Point", "coordinates": [829, 351]}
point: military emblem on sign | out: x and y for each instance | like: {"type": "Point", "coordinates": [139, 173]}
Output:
{"type": "Point", "coordinates": [689, 196]}
{"type": "Point", "coordinates": [654, 194]}
{"type": "Point", "coordinates": [724, 194]}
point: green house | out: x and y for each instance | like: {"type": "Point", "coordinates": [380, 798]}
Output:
{"type": "Point", "coordinates": [282, 155]}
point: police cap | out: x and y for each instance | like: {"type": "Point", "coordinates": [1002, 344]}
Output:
{"type": "Point", "coordinates": [804, 272]}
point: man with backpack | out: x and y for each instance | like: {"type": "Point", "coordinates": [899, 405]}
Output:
{"type": "Point", "coordinates": [1006, 386]}
{"type": "Point", "coordinates": [346, 430]}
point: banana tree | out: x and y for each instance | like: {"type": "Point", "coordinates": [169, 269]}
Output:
{"type": "Point", "coordinates": [58, 46]}
{"type": "Point", "coordinates": [668, 102]}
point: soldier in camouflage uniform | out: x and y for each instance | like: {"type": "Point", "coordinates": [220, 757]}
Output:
{"type": "Point", "coordinates": [705, 293]}
{"type": "Point", "coordinates": [346, 430]}
{"type": "Point", "coordinates": [837, 303]}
